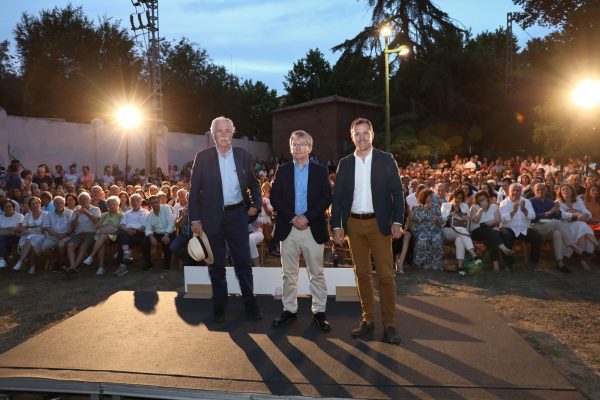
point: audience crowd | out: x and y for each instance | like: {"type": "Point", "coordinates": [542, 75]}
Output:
{"type": "Point", "coordinates": [479, 208]}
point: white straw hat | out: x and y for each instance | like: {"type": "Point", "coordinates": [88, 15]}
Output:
{"type": "Point", "coordinates": [199, 249]}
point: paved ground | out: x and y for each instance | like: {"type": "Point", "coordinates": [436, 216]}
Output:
{"type": "Point", "coordinates": [559, 315]}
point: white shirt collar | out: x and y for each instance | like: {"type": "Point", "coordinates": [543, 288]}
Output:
{"type": "Point", "coordinates": [367, 158]}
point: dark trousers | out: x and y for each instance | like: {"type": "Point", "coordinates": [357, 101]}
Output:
{"type": "Point", "coordinates": [179, 248]}
{"type": "Point", "coordinates": [533, 237]}
{"type": "Point", "coordinates": [233, 233]}
{"type": "Point", "coordinates": [137, 238]}
{"type": "Point", "coordinates": [147, 247]}
{"type": "Point", "coordinates": [492, 239]}
{"type": "Point", "coordinates": [8, 240]}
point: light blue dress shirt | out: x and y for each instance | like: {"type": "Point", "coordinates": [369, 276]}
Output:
{"type": "Point", "coordinates": [301, 188]}
{"type": "Point", "coordinates": [232, 194]}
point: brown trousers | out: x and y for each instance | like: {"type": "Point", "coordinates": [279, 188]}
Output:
{"type": "Point", "coordinates": [366, 239]}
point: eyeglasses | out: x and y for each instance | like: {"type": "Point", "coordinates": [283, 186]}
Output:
{"type": "Point", "coordinates": [299, 145]}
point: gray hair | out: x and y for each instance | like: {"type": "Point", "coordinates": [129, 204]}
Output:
{"type": "Point", "coordinates": [514, 186]}
{"type": "Point", "coordinates": [59, 198]}
{"type": "Point", "coordinates": [116, 199]}
{"type": "Point", "coordinates": [136, 196]}
{"type": "Point", "coordinates": [182, 192]}
{"type": "Point", "coordinates": [214, 122]}
{"type": "Point", "coordinates": [83, 195]}
{"type": "Point", "coordinates": [300, 134]}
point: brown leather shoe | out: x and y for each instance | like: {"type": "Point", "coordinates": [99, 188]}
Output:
{"type": "Point", "coordinates": [389, 335]}
{"type": "Point", "coordinates": [363, 328]}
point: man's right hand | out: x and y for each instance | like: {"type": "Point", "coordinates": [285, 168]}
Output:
{"type": "Point", "coordinates": [338, 236]}
{"type": "Point", "coordinates": [197, 228]}
{"type": "Point", "coordinates": [131, 231]}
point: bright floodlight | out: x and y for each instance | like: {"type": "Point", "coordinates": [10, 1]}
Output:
{"type": "Point", "coordinates": [385, 31]}
{"type": "Point", "coordinates": [587, 94]}
{"type": "Point", "coordinates": [403, 50]}
{"type": "Point", "coordinates": [129, 117]}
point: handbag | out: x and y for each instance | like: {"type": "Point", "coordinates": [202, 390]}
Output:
{"type": "Point", "coordinates": [459, 223]}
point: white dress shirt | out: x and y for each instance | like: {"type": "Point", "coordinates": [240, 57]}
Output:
{"type": "Point", "coordinates": [520, 222]}
{"type": "Point", "coordinates": [362, 202]}
{"type": "Point", "coordinates": [135, 219]}
{"type": "Point", "coordinates": [163, 223]}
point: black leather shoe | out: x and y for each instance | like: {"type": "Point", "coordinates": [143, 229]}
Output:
{"type": "Point", "coordinates": [285, 318]}
{"type": "Point", "coordinates": [253, 311]}
{"type": "Point", "coordinates": [363, 328]}
{"type": "Point", "coordinates": [219, 314]}
{"type": "Point", "coordinates": [389, 335]}
{"type": "Point", "coordinates": [321, 321]}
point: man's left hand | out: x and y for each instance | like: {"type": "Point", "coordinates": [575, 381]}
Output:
{"type": "Point", "coordinates": [252, 211]}
{"type": "Point", "coordinates": [397, 231]}
{"type": "Point", "coordinates": [166, 240]}
{"type": "Point", "coordinates": [300, 222]}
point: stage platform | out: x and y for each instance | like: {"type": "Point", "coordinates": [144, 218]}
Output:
{"type": "Point", "coordinates": [161, 345]}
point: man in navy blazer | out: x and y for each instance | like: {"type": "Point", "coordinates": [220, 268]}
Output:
{"type": "Point", "coordinates": [221, 185]}
{"type": "Point", "coordinates": [368, 205]}
{"type": "Point", "coordinates": [300, 194]}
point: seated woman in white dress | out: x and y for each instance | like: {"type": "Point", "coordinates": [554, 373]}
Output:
{"type": "Point", "coordinates": [455, 216]}
{"type": "Point", "coordinates": [575, 215]}
{"type": "Point", "coordinates": [32, 235]}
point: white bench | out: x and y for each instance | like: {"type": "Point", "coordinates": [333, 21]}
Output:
{"type": "Point", "coordinates": [341, 282]}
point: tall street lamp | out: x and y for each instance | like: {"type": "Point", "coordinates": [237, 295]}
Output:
{"type": "Point", "coordinates": [402, 51]}
{"type": "Point", "coordinates": [587, 96]}
{"type": "Point", "coordinates": [129, 118]}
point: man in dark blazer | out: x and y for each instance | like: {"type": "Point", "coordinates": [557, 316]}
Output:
{"type": "Point", "coordinates": [221, 185]}
{"type": "Point", "coordinates": [368, 205]}
{"type": "Point", "coordinates": [300, 194]}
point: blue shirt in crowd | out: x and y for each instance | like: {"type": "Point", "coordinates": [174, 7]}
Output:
{"type": "Point", "coordinates": [542, 207]}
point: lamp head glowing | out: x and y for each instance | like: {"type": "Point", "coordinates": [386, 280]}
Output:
{"type": "Point", "coordinates": [129, 117]}
{"type": "Point", "coordinates": [403, 50]}
{"type": "Point", "coordinates": [587, 94]}
{"type": "Point", "coordinates": [385, 31]}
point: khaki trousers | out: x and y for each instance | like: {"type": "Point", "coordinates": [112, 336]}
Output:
{"type": "Point", "coordinates": [302, 242]}
{"type": "Point", "coordinates": [553, 230]}
{"type": "Point", "coordinates": [366, 240]}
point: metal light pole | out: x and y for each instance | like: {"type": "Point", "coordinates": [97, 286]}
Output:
{"type": "Point", "coordinates": [403, 50]}
{"type": "Point", "coordinates": [387, 95]}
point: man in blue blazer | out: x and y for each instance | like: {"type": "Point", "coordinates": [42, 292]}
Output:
{"type": "Point", "coordinates": [368, 205]}
{"type": "Point", "coordinates": [221, 184]}
{"type": "Point", "coordinates": [300, 194]}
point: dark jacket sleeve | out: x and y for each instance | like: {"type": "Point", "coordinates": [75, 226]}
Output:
{"type": "Point", "coordinates": [277, 195]}
{"type": "Point", "coordinates": [324, 199]}
{"type": "Point", "coordinates": [396, 191]}
{"type": "Point", "coordinates": [195, 200]}
{"type": "Point", "coordinates": [338, 194]}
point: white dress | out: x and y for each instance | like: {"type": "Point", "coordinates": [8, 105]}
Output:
{"type": "Point", "coordinates": [36, 238]}
{"type": "Point", "coordinates": [576, 229]}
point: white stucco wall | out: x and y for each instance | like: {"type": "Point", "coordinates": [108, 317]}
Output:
{"type": "Point", "coordinates": [39, 140]}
